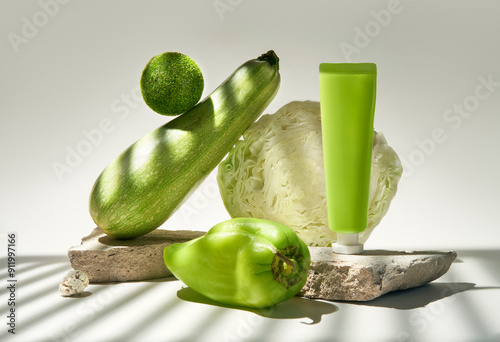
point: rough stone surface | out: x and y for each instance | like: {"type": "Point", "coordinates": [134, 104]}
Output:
{"type": "Point", "coordinates": [331, 276]}
{"type": "Point", "coordinates": [369, 275]}
{"type": "Point", "coordinates": [105, 259]}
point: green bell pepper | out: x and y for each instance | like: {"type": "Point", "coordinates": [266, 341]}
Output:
{"type": "Point", "coordinates": [243, 262]}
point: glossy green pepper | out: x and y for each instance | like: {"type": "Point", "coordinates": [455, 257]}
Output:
{"type": "Point", "coordinates": [243, 262]}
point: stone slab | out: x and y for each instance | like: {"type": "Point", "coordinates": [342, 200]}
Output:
{"type": "Point", "coordinates": [331, 276]}
{"type": "Point", "coordinates": [105, 259]}
{"type": "Point", "coordinates": [369, 275]}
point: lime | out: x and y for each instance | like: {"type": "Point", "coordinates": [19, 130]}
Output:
{"type": "Point", "coordinates": [171, 83]}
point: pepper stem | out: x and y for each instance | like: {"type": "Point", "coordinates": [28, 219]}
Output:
{"type": "Point", "coordinates": [289, 266]}
{"type": "Point", "coordinates": [292, 264]}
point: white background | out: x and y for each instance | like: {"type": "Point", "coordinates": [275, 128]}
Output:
{"type": "Point", "coordinates": [75, 71]}
{"type": "Point", "coordinates": [66, 68]}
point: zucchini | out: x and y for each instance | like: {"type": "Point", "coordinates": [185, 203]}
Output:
{"type": "Point", "coordinates": [139, 190]}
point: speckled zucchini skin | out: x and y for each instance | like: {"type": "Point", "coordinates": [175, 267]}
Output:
{"type": "Point", "coordinates": [146, 183]}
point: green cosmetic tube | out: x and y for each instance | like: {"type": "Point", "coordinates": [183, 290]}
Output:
{"type": "Point", "coordinates": [347, 99]}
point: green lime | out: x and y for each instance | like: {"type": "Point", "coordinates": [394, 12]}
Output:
{"type": "Point", "coordinates": [171, 83]}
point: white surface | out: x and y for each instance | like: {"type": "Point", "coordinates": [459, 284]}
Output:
{"type": "Point", "coordinates": [460, 306]}
{"type": "Point", "coordinates": [79, 70]}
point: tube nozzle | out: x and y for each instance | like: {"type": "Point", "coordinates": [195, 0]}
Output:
{"type": "Point", "coordinates": [347, 244]}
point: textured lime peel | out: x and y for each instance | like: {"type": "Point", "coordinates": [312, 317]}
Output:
{"type": "Point", "coordinates": [276, 173]}
{"type": "Point", "coordinates": [171, 83]}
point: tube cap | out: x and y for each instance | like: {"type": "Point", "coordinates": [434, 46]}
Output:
{"type": "Point", "coordinates": [347, 244]}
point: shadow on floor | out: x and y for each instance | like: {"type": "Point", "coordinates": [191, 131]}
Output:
{"type": "Point", "coordinates": [294, 308]}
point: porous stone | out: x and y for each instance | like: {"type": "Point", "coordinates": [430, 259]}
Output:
{"type": "Point", "coordinates": [331, 276]}
{"type": "Point", "coordinates": [105, 259]}
{"type": "Point", "coordinates": [369, 275]}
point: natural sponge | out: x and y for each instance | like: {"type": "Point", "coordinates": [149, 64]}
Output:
{"type": "Point", "coordinates": [171, 83]}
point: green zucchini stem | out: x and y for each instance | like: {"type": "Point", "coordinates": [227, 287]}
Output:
{"type": "Point", "coordinates": [270, 57]}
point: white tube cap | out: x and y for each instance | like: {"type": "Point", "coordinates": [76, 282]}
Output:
{"type": "Point", "coordinates": [347, 244]}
